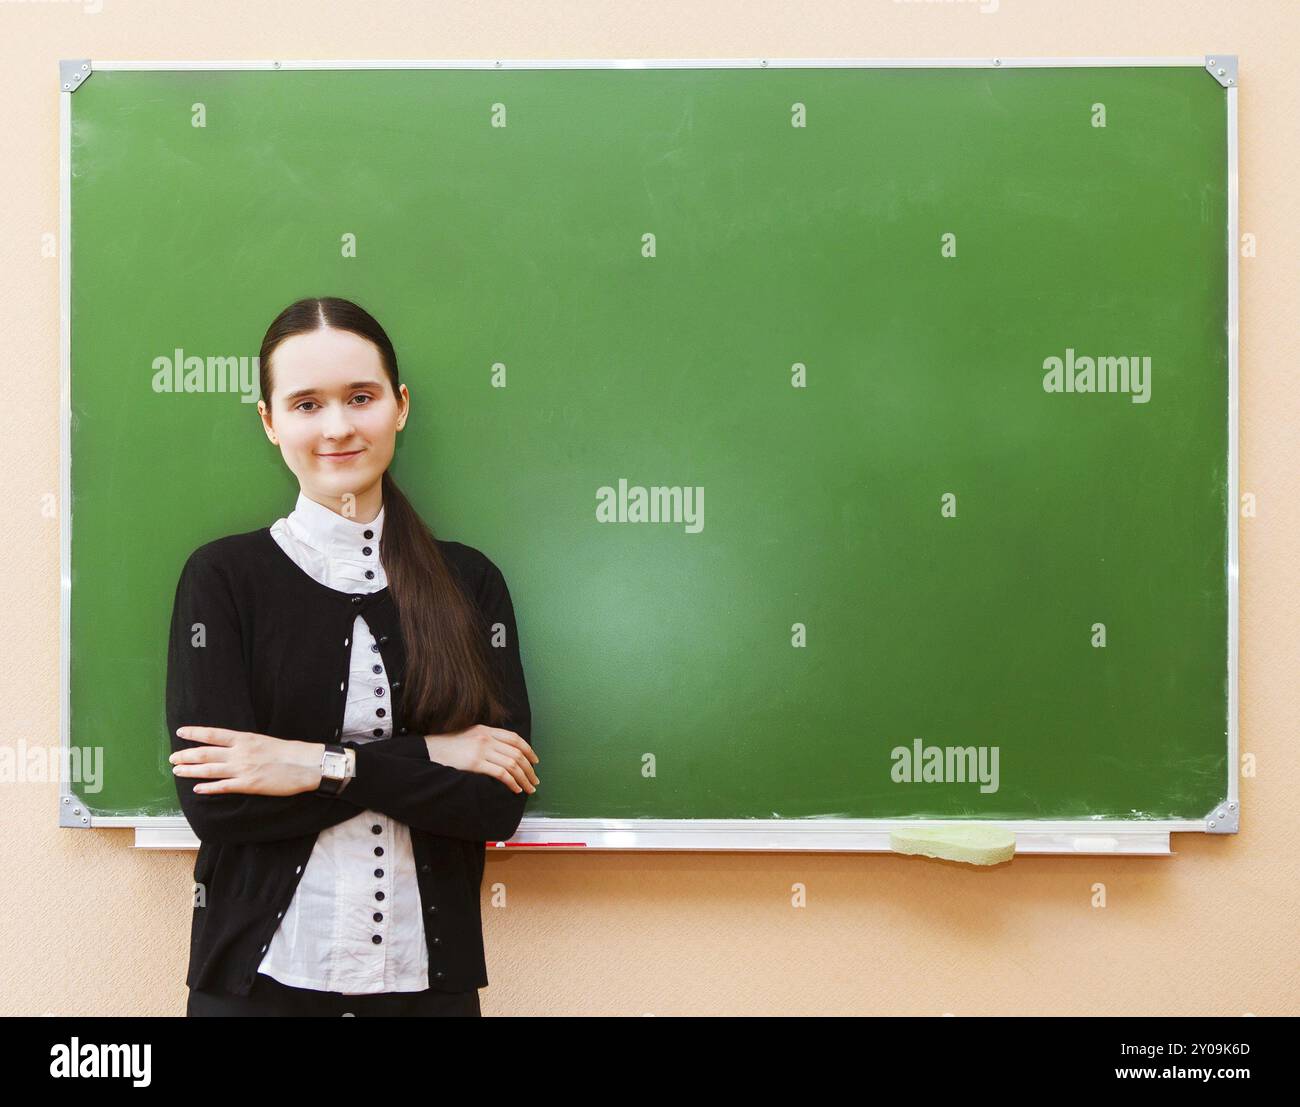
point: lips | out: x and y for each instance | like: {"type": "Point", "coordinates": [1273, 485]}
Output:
{"type": "Point", "coordinates": [342, 456]}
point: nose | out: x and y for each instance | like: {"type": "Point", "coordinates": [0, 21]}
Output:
{"type": "Point", "coordinates": [338, 424]}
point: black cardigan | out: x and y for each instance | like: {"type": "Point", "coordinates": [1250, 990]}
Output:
{"type": "Point", "coordinates": [272, 656]}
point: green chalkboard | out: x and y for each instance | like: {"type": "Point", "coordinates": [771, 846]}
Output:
{"type": "Point", "coordinates": [815, 306]}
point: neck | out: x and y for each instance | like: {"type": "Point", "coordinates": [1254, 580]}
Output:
{"type": "Point", "coordinates": [361, 507]}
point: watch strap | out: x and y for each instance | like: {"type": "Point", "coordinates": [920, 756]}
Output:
{"type": "Point", "coordinates": [330, 786]}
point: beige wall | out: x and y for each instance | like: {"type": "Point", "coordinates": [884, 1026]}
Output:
{"type": "Point", "coordinates": [95, 927]}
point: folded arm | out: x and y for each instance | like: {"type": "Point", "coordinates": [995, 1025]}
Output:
{"type": "Point", "coordinates": [208, 685]}
{"type": "Point", "coordinates": [439, 798]}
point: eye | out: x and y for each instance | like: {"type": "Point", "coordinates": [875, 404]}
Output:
{"type": "Point", "coordinates": [359, 396]}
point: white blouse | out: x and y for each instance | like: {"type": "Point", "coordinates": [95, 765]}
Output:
{"type": "Point", "coordinates": [354, 924]}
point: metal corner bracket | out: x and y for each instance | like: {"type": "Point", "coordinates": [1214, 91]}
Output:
{"type": "Point", "coordinates": [72, 812]}
{"type": "Point", "coordinates": [1225, 818]}
{"type": "Point", "coordinates": [73, 73]}
{"type": "Point", "coordinates": [1223, 68]}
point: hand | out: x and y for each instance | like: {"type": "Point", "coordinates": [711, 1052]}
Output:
{"type": "Point", "coordinates": [254, 764]}
{"type": "Point", "coordinates": [489, 750]}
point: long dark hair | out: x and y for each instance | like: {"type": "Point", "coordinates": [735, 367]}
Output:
{"type": "Point", "coordinates": [451, 683]}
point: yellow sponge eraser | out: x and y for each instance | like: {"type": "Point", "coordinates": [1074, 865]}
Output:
{"type": "Point", "coordinates": [976, 845]}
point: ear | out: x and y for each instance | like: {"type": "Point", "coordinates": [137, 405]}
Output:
{"type": "Point", "coordinates": [261, 410]}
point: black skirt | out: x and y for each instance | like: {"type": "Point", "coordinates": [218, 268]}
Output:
{"type": "Point", "coordinates": [269, 997]}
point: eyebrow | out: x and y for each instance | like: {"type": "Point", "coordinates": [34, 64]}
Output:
{"type": "Point", "coordinates": [346, 388]}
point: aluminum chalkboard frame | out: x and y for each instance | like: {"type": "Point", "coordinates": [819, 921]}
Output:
{"type": "Point", "coordinates": [1139, 836]}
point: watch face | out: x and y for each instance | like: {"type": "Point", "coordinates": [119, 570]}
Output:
{"type": "Point", "coordinates": [335, 766]}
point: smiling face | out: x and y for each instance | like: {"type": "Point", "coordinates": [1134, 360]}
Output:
{"type": "Point", "coordinates": [334, 416]}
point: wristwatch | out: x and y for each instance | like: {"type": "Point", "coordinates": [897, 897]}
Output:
{"type": "Point", "coordinates": [336, 769]}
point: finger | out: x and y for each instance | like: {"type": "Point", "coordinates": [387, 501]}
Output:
{"type": "Point", "coordinates": [519, 757]}
{"type": "Point", "coordinates": [508, 779]}
{"type": "Point", "coordinates": [208, 770]}
{"type": "Point", "coordinates": [502, 774]}
{"type": "Point", "coordinates": [217, 787]}
{"type": "Point", "coordinates": [518, 763]}
{"type": "Point", "coordinates": [211, 735]}
{"type": "Point", "coordinates": [514, 766]}
{"type": "Point", "coordinates": [194, 754]}
{"type": "Point", "coordinates": [515, 740]}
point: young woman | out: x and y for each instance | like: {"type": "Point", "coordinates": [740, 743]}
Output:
{"type": "Point", "coordinates": [348, 713]}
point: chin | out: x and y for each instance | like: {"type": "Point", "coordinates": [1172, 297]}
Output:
{"type": "Point", "coordinates": [348, 479]}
